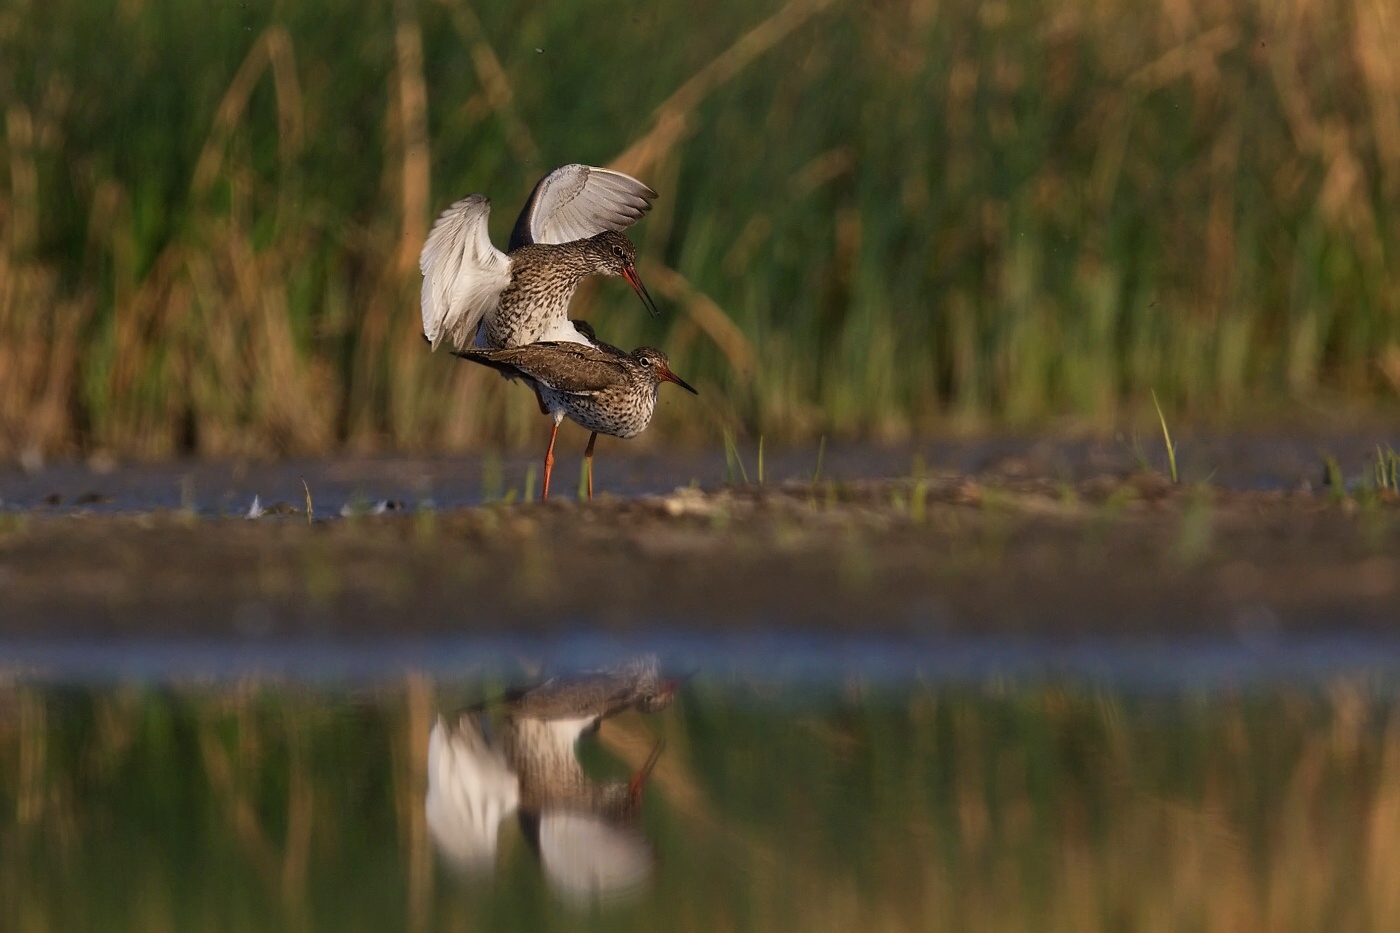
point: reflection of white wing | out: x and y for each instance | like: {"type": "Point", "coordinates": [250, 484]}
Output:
{"type": "Point", "coordinates": [470, 791]}
{"type": "Point", "coordinates": [575, 202]}
{"type": "Point", "coordinates": [463, 274]}
{"type": "Point", "coordinates": [585, 857]}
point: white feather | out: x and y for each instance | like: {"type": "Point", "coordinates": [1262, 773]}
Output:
{"type": "Point", "coordinates": [471, 790]}
{"type": "Point", "coordinates": [563, 332]}
{"type": "Point", "coordinates": [587, 857]}
{"type": "Point", "coordinates": [463, 274]}
{"type": "Point", "coordinates": [575, 202]}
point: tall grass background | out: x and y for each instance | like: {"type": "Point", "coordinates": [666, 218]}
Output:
{"type": "Point", "coordinates": [876, 219]}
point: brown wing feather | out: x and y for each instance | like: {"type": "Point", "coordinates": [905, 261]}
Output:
{"type": "Point", "coordinates": [572, 368]}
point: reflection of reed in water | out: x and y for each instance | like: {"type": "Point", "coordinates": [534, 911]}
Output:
{"type": "Point", "coordinates": [582, 830]}
{"type": "Point", "coordinates": [1047, 808]}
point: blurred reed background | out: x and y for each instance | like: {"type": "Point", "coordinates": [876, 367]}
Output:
{"type": "Point", "coordinates": [877, 218]}
{"type": "Point", "coordinates": [1049, 808]}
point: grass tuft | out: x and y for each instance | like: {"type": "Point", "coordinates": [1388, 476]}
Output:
{"type": "Point", "coordinates": [733, 462]}
{"type": "Point", "coordinates": [1386, 469]}
{"type": "Point", "coordinates": [1167, 438]}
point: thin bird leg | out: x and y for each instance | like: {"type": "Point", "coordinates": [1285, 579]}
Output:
{"type": "Point", "coordinates": [549, 461]}
{"type": "Point", "coordinates": [639, 780]}
{"type": "Point", "coordinates": [588, 459]}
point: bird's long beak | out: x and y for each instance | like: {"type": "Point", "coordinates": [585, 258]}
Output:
{"type": "Point", "coordinates": [629, 272]}
{"type": "Point", "coordinates": [672, 377]}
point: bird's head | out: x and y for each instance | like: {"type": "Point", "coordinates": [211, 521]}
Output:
{"type": "Point", "coordinates": [611, 253]}
{"type": "Point", "coordinates": [660, 368]}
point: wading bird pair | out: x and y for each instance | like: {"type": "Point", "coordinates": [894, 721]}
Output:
{"type": "Point", "coordinates": [510, 310]}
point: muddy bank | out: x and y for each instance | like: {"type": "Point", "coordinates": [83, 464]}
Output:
{"type": "Point", "coordinates": [1265, 460]}
{"type": "Point", "coordinates": [944, 554]}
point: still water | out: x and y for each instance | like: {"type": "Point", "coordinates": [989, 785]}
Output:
{"type": "Point", "coordinates": [506, 796]}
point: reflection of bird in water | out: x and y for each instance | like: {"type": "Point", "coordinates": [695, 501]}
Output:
{"type": "Point", "coordinates": [583, 830]}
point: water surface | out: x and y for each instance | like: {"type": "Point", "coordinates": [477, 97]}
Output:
{"type": "Point", "coordinates": [1015, 794]}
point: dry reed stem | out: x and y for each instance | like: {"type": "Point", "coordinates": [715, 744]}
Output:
{"type": "Point", "coordinates": [242, 817]}
{"type": "Point", "coordinates": [273, 48]}
{"type": "Point", "coordinates": [671, 121]}
{"type": "Point", "coordinates": [33, 757]}
{"type": "Point", "coordinates": [822, 169]}
{"type": "Point", "coordinates": [707, 315]}
{"type": "Point", "coordinates": [412, 787]}
{"type": "Point", "coordinates": [413, 114]}
{"type": "Point", "coordinates": [1193, 56]}
{"type": "Point", "coordinates": [23, 227]}
{"type": "Point", "coordinates": [1377, 38]}
{"type": "Point", "coordinates": [296, 855]}
{"type": "Point", "coordinates": [495, 83]}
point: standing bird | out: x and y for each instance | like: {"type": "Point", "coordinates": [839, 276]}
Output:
{"type": "Point", "coordinates": [570, 228]}
{"type": "Point", "coordinates": [598, 387]}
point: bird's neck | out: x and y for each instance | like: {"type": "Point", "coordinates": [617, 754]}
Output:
{"type": "Point", "coordinates": [563, 260]}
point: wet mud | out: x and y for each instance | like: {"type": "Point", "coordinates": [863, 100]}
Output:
{"type": "Point", "coordinates": [934, 553]}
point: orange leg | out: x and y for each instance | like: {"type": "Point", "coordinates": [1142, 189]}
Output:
{"type": "Point", "coordinates": [549, 460]}
{"type": "Point", "coordinates": [588, 459]}
{"type": "Point", "coordinates": [639, 780]}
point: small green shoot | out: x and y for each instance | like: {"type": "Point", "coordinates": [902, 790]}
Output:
{"type": "Point", "coordinates": [760, 460]}
{"type": "Point", "coordinates": [821, 453]}
{"type": "Point", "coordinates": [310, 510]}
{"type": "Point", "coordinates": [1332, 476]}
{"type": "Point", "coordinates": [918, 499]}
{"type": "Point", "coordinates": [491, 478]}
{"type": "Point", "coordinates": [1387, 469]}
{"type": "Point", "coordinates": [1140, 458]}
{"type": "Point", "coordinates": [1167, 436]}
{"type": "Point", "coordinates": [732, 460]}
{"type": "Point", "coordinates": [425, 520]}
{"type": "Point", "coordinates": [529, 495]}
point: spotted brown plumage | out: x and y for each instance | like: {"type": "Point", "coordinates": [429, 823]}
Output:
{"type": "Point", "coordinates": [597, 387]}
{"type": "Point", "coordinates": [570, 228]}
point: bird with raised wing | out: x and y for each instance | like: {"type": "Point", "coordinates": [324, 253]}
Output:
{"type": "Point", "coordinates": [598, 387]}
{"type": "Point", "coordinates": [570, 228]}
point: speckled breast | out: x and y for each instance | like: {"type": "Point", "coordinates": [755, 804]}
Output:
{"type": "Point", "coordinates": [623, 413]}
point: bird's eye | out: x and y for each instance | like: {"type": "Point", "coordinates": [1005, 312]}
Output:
{"type": "Point", "coordinates": [617, 251]}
